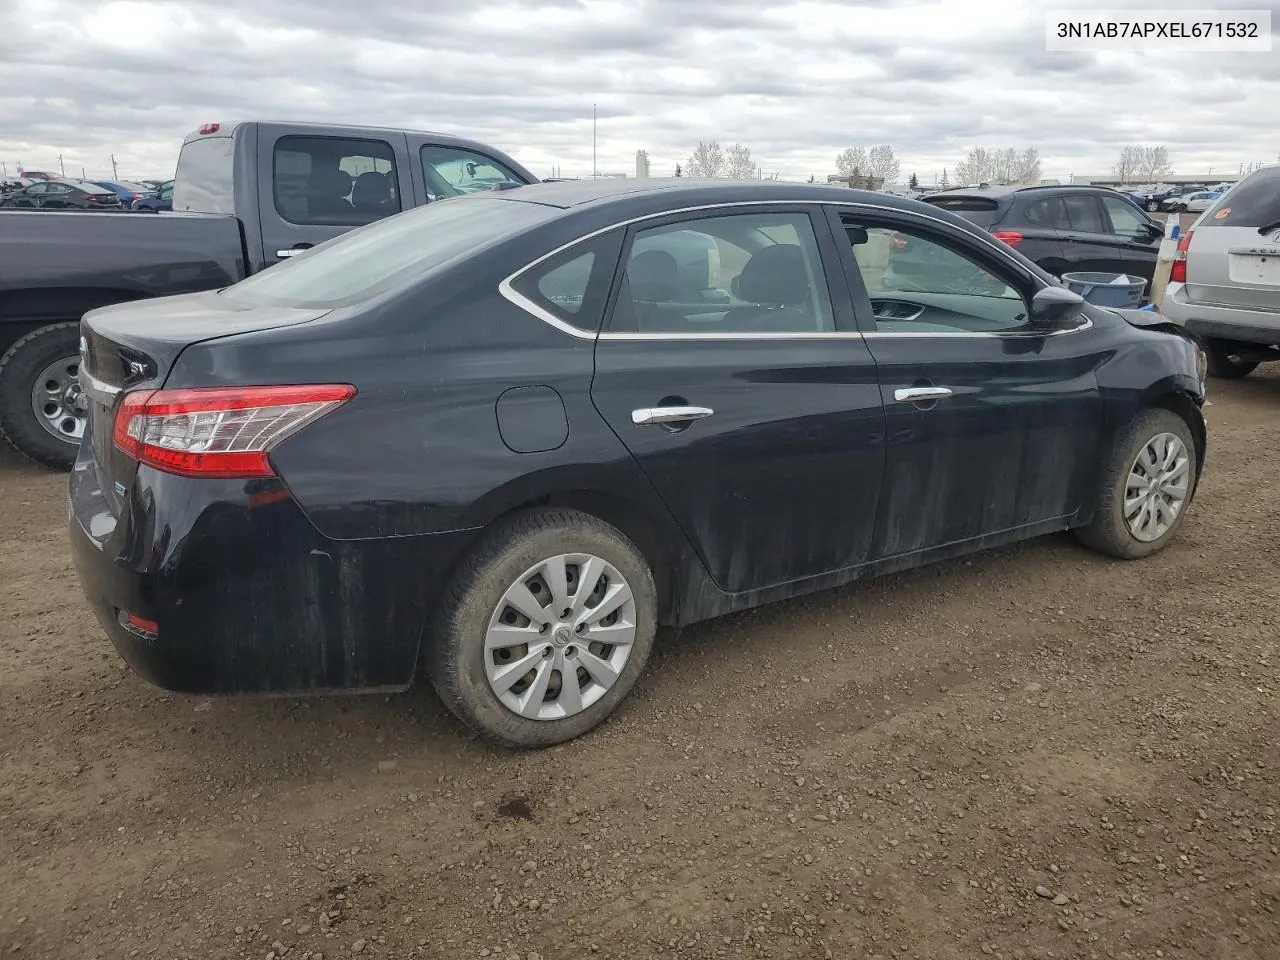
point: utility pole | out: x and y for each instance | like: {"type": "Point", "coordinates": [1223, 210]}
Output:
{"type": "Point", "coordinates": [595, 170]}
{"type": "Point", "coordinates": [62, 166]}
{"type": "Point", "coordinates": [115, 173]}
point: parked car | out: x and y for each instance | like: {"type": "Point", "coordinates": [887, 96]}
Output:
{"type": "Point", "coordinates": [1224, 286]}
{"type": "Point", "coordinates": [1064, 228]}
{"type": "Point", "coordinates": [1157, 198]}
{"type": "Point", "coordinates": [62, 195]}
{"type": "Point", "coordinates": [263, 192]}
{"type": "Point", "coordinates": [161, 199]}
{"type": "Point", "coordinates": [38, 175]}
{"type": "Point", "coordinates": [1197, 202]}
{"type": "Point", "coordinates": [126, 190]}
{"type": "Point", "coordinates": [500, 436]}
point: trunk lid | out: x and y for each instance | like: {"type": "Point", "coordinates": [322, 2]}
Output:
{"type": "Point", "coordinates": [1234, 255]}
{"type": "Point", "coordinates": [133, 346]}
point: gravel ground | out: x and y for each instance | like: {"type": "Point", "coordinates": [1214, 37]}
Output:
{"type": "Point", "coordinates": [1036, 753]}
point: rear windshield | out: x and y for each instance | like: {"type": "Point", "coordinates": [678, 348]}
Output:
{"type": "Point", "coordinates": [204, 181]}
{"type": "Point", "coordinates": [980, 210]}
{"type": "Point", "coordinates": [1253, 202]}
{"type": "Point", "coordinates": [380, 256]}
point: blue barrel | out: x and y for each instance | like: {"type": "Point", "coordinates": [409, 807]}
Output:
{"type": "Point", "coordinates": [1107, 289]}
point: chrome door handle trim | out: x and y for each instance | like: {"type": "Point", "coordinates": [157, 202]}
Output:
{"type": "Point", "coordinates": [293, 252]}
{"type": "Point", "coordinates": [916, 394]}
{"type": "Point", "coordinates": [647, 415]}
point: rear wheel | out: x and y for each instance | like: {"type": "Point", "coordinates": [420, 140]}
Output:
{"type": "Point", "coordinates": [544, 630]}
{"type": "Point", "coordinates": [1224, 364]}
{"type": "Point", "coordinates": [43, 410]}
{"type": "Point", "coordinates": [1153, 205]}
{"type": "Point", "coordinates": [1146, 483]}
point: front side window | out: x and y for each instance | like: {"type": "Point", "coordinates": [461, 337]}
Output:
{"type": "Point", "coordinates": [334, 181]}
{"type": "Point", "coordinates": [919, 284]}
{"type": "Point", "coordinates": [747, 273]}
{"type": "Point", "coordinates": [1125, 220]}
{"type": "Point", "coordinates": [452, 171]}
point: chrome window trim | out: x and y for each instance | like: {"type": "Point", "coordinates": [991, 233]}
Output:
{"type": "Point", "coordinates": [507, 289]}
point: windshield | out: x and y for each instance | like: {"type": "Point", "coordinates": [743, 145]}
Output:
{"type": "Point", "coordinates": [1253, 202]}
{"type": "Point", "coordinates": [377, 257]}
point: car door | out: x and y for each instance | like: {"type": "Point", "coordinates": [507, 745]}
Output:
{"type": "Point", "coordinates": [993, 427]}
{"type": "Point", "coordinates": [744, 391]}
{"type": "Point", "coordinates": [1138, 235]}
{"type": "Point", "coordinates": [1090, 245]}
{"type": "Point", "coordinates": [312, 188]}
{"type": "Point", "coordinates": [31, 196]}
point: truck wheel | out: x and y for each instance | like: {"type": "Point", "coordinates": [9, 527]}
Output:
{"type": "Point", "coordinates": [1147, 480]}
{"type": "Point", "coordinates": [42, 408]}
{"type": "Point", "coordinates": [1225, 365]}
{"type": "Point", "coordinates": [544, 629]}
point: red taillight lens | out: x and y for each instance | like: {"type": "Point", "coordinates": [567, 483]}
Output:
{"type": "Point", "coordinates": [219, 432]}
{"type": "Point", "coordinates": [1178, 272]}
{"type": "Point", "coordinates": [1011, 237]}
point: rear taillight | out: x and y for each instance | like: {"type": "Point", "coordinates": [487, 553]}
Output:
{"type": "Point", "coordinates": [1011, 237]}
{"type": "Point", "coordinates": [221, 431]}
{"type": "Point", "coordinates": [1178, 272]}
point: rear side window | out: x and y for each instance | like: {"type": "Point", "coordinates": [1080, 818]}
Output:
{"type": "Point", "coordinates": [335, 181]}
{"type": "Point", "coordinates": [982, 211]}
{"type": "Point", "coordinates": [1253, 202]}
{"type": "Point", "coordinates": [204, 181]}
{"type": "Point", "coordinates": [573, 285]}
{"type": "Point", "coordinates": [1085, 214]}
{"type": "Point", "coordinates": [1049, 212]}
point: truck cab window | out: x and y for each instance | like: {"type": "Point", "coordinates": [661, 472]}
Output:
{"type": "Point", "coordinates": [334, 180]}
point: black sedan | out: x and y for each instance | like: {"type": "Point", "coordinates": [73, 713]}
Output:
{"type": "Point", "coordinates": [63, 195]}
{"type": "Point", "coordinates": [508, 435]}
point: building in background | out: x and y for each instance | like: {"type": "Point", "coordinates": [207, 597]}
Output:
{"type": "Point", "coordinates": [642, 164]}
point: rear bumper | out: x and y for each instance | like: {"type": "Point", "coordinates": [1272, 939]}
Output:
{"type": "Point", "coordinates": [245, 594]}
{"type": "Point", "coordinates": [1227, 323]}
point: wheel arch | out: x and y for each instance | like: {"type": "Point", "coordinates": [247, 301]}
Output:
{"type": "Point", "coordinates": [28, 309]}
{"type": "Point", "coordinates": [1184, 405]}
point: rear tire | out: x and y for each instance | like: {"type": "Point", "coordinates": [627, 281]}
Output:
{"type": "Point", "coordinates": [1153, 206]}
{"type": "Point", "coordinates": [477, 632]}
{"type": "Point", "coordinates": [57, 345]}
{"type": "Point", "coordinates": [1224, 365]}
{"type": "Point", "coordinates": [1116, 530]}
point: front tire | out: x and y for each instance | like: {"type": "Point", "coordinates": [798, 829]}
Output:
{"type": "Point", "coordinates": [42, 407]}
{"type": "Point", "coordinates": [1153, 206]}
{"type": "Point", "coordinates": [1146, 483]}
{"type": "Point", "coordinates": [544, 629]}
{"type": "Point", "coordinates": [1224, 365]}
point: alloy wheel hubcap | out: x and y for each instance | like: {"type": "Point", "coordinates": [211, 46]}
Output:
{"type": "Point", "coordinates": [58, 401]}
{"type": "Point", "coordinates": [1156, 488]}
{"type": "Point", "coordinates": [560, 637]}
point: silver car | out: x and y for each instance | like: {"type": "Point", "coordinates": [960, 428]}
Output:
{"type": "Point", "coordinates": [1225, 283]}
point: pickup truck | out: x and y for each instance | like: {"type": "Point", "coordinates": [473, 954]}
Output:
{"type": "Point", "coordinates": [246, 195]}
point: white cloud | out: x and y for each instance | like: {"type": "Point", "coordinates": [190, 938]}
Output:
{"type": "Point", "coordinates": [796, 82]}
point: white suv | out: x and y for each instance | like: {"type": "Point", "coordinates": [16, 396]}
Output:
{"type": "Point", "coordinates": [1225, 284]}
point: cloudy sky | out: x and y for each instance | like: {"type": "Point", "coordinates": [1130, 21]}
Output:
{"type": "Point", "coordinates": [794, 81]}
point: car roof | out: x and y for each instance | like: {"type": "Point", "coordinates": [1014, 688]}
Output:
{"type": "Point", "coordinates": [680, 190]}
{"type": "Point", "coordinates": [1000, 191]}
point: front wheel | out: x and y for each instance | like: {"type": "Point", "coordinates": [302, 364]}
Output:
{"type": "Point", "coordinates": [1146, 483]}
{"type": "Point", "coordinates": [544, 630]}
{"type": "Point", "coordinates": [1153, 205]}
{"type": "Point", "coordinates": [43, 410]}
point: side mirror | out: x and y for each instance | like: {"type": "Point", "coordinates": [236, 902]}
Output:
{"type": "Point", "coordinates": [1056, 308]}
{"type": "Point", "coordinates": [1155, 229]}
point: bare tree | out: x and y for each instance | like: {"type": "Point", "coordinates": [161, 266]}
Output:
{"type": "Point", "coordinates": [738, 163]}
{"type": "Point", "coordinates": [1127, 167]}
{"type": "Point", "coordinates": [707, 161]}
{"type": "Point", "coordinates": [1155, 163]}
{"type": "Point", "coordinates": [979, 166]}
{"type": "Point", "coordinates": [679, 171]}
{"type": "Point", "coordinates": [882, 163]}
{"type": "Point", "coordinates": [851, 161]}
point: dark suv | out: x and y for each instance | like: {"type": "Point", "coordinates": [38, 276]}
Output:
{"type": "Point", "coordinates": [1063, 229]}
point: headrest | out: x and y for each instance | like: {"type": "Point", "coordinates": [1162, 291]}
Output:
{"type": "Point", "coordinates": [370, 190]}
{"type": "Point", "coordinates": [653, 276]}
{"type": "Point", "coordinates": [330, 183]}
{"type": "Point", "coordinates": [776, 276]}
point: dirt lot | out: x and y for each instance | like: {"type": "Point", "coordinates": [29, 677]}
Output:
{"type": "Point", "coordinates": [1036, 753]}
